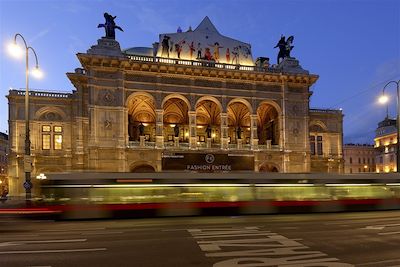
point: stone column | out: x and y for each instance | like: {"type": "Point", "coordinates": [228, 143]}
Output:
{"type": "Point", "coordinates": [192, 130]}
{"type": "Point", "coordinates": [159, 128]}
{"type": "Point", "coordinates": [224, 130]}
{"type": "Point", "coordinates": [209, 142]}
{"type": "Point", "coordinates": [239, 143]}
{"type": "Point", "coordinates": [142, 140]}
{"type": "Point", "coordinates": [253, 132]}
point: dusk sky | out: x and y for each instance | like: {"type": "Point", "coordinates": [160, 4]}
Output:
{"type": "Point", "coordinates": [354, 46]}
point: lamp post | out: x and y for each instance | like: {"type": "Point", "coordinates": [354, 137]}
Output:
{"type": "Point", "coordinates": [16, 51]}
{"type": "Point", "coordinates": [383, 99]}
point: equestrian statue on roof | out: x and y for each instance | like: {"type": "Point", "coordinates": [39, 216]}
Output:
{"type": "Point", "coordinates": [284, 47]}
{"type": "Point", "coordinates": [110, 26]}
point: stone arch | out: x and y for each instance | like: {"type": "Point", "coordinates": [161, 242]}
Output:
{"type": "Point", "coordinates": [135, 94]}
{"type": "Point", "coordinates": [317, 126]}
{"type": "Point", "coordinates": [238, 114]}
{"type": "Point", "coordinates": [272, 103]}
{"type": "Point", "coordinates": [141, 110]}
{"type": "Point", "coordinates": [179, 96]}
{"type": "Point", "coordinates": [50, 109]}
{"type": "Point", "coordinates": [210, 98]}
{"type": "Point", "coordinates": [243, 101]}
{"type": "Point", "coordinates": [208, 116]}
{"type": "Point", "coordinates": [268, 167]}
{"type": "Point", "coordinates": [239, 120]}
{"type": "Point", "coordinates": [142, 166]}
{"type": "Point", "coordinates": [269, 123]}
{"type": "Point", "coordinates": [175, 110]}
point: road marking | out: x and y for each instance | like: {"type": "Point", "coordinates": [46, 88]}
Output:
{"type": "Point", "coordinates": [51, 251]}
{"type": "Point", "coordinates": [20, 242]}
{"type": "Point", "coordinates": [173, 230]}
{"type": "Point", "coordinates": [238, 246]}
{"type": "Point", "coordinates": [102, 233]}
{"type": "Point", "coordinates": [380, 227]}
{"type": "Point", "coordinates": [389, 233]}
{"type": "Point", "coordinates": [72, 230]}
{"type": "Point", "coordinates": [379, 262]}
{"type": "Point", "coordinates": [373, 227]}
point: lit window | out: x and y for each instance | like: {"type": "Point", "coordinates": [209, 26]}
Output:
{"type": "Point", "coordinates": [46, 128]}
{"type": "Point", "coordinates": [45, 141]}
{"type": "Point", "coordinates": [312, 145]}
{"type": "Point", "coordinates": [58, 141]}
{"type": "Point", "coordinates": [319, 145]}
{"type": "Point", "coordinates": [58, 129]}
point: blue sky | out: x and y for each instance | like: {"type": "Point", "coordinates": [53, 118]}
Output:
{"type": "Point", "coordinates": [353, 45]}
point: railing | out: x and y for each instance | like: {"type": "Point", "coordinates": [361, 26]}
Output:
{"type": "Point", "coordinates": [202, 63]}
{"type": "Point", "coordinates": [330, 111]}
{"type": "Point", "coordinates": [202, 145]}
{"type": "Point", "coordinates": [182, 145]}
{"type": "Point", "coordinates": [150, 144]}
{"type": "Point", "coordinates": [40, 93]}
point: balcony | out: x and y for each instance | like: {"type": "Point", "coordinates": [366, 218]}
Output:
{"type": "Point", "coordinates": [202, 63]}
{"type": "Point", "coordinates": [201, 146]}
{"type": "Point", "coordinates": [47, 94]}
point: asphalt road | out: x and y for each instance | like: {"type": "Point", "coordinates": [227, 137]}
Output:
{"type": "Point", "coordinates": [339, 239]}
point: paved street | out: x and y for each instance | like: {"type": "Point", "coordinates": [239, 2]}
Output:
{"type": "Point", "coordinates": [341, 239]}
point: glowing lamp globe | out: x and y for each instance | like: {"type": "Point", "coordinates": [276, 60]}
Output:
{"type": "Point", "coordinates": [37, 73]}
{"type": "Point", "coordinates": [15, 50]}
{"type": "Point", "coordinates": [383, 99]}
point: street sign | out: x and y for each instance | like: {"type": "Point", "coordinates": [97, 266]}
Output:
{"type": "Point", "coordinates": [27, 163]}
{"type": "Point", "coordinates": [28, 185]}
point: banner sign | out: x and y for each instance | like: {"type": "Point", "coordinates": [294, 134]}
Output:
{"type": "Point", "coordinates": [210, 162]}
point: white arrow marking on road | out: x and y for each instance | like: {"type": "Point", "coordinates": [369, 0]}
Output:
{"type": "Point", "coordinates": [380, 227]}
{"type": "Point", "coordinates": [374, 227]}
{"type": "Point", "coordinates": [16, 243]}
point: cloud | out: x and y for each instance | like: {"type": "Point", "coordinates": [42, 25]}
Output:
{"type": "Point", "coordinates": [40, 34]}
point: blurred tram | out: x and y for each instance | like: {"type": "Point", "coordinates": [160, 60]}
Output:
{"type": "Point", "coordinates": [87, 195]}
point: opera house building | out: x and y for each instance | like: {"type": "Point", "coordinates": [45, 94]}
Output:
{"type": "Point", "coordinates": [194, 101]}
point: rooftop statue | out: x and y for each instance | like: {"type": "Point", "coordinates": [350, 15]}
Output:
{"type": "Point", "coordinates": [284, 47]}
{"type": "Point", "coordinates": [110, 26]}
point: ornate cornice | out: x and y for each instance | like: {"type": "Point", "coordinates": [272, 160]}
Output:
{"type": "Point", "coordinates": [129, 65]}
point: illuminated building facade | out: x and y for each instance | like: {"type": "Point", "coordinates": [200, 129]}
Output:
{"type": "Point", "coordinates": [3, 162]}
{"type": "Point", "coordinates": [195, 101]}
{"type": "Point", "coordinates": [385, 146]}
{"type": "Point", "coordinates": [359, 158]}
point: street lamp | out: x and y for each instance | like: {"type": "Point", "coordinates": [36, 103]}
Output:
{"type": "Point", "coordinates": [41, 176]}
{"type": "Point", "coordinates": [384, 99]}
{"type": "Point", "coordinates": [17, 52]}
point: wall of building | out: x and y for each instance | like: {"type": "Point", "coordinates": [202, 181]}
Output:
{"type": "Point", "coordinates": [386, 146]}
{"type": "Point", "coordinates": [359, 158]}
{"type": "Point", "coordinates": [113, 93]}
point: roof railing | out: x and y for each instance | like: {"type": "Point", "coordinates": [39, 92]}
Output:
{"type": "Point", "coordinates": [202, 63]}
{"type": "Point", "coordinates": [331, 111]}
{"type": "Point", "coordinates": [40, 93]}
